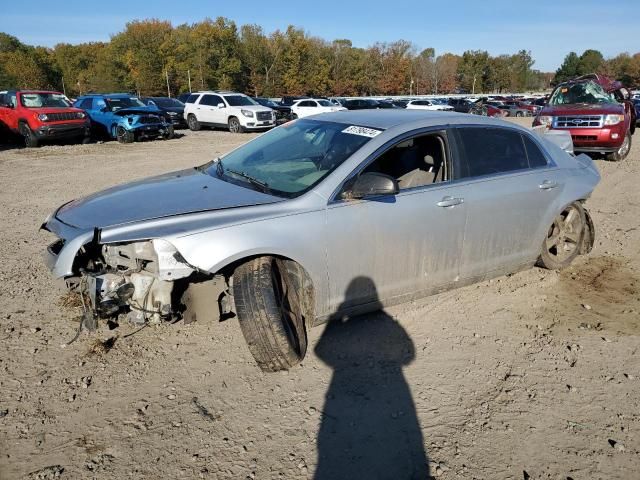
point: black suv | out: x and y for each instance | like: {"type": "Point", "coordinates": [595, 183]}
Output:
{"type": "Point", "coordinates": [172, 108]}
{"type": "Point", "coordinates": [461, 105]}
{"type": "Point", "coordinates": [283, 113]}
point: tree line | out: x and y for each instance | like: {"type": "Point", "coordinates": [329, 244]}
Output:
{"type": "Point", "coordinates": [152, 57]}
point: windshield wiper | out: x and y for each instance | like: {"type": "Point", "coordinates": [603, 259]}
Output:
{"type": "Point", "coordinates": [252, 180]}
{"type": "Point", "coordinates": [219, 167]}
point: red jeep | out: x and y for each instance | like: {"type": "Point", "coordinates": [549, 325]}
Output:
{"type": "Point", "coordinates": [598, 113]}
{"type": "Point", "coordinates": [39, 116]}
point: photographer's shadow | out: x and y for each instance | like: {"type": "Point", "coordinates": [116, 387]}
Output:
{"type": "Point", "coordinates": [370, 428]}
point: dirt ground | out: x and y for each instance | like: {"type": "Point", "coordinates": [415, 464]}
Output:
{"type": "Point", "coordinates": [531, 376]}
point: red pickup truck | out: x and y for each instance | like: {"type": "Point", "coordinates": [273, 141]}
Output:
{"type": "Point", "coordinates": [596, 111]}
{"type": "Point", "coordinates": [39, 116]}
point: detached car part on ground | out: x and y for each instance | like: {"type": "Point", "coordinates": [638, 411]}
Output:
{"type": "Point", "coordinates": [41, 116]}
{"type": "Point", "coordinates": [327, 217]}
{"type": "Point", "coordinates": [124, 117]}
{"type": "Point", "coordinates": [596, 111]}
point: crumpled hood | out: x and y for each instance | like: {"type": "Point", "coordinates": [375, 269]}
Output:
{"type": "Point", "coordinates": [583, 109]}
{"type": "Point", "coordinates": [176, 193]}
{"type": "Point", "coordinates": [137, 111]}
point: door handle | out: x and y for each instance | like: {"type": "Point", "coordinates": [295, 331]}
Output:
{"type": "Point", "coordinates": [450, 201]}
{"type": "Point", "coordinates": [548, 185]}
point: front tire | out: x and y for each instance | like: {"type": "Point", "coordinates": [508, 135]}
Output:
{"type": "Point", "coordinates": [518, 114]}
{"type": "Point", "coordinates": [565, 238]}
{"type": "Point", "coordinates": [30, 139]}
{"type": "Point", "coordinates": [234, 125]}
{"type": "Point", "coordinates": [124, 136]}
{"type": "Point", "coordinates": [169, 134]}
{"type": "Point", "coordinates": [193, 123]}
{"type": "Point", "coordinates": [272, 303]}
{"type": "Point", "coordinates": [623, 151]}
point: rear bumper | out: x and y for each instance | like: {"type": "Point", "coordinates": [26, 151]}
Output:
{"type": "Point", "coordinates": [62, 130]}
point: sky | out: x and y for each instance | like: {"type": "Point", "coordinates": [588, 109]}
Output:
{"type": "Point", "coordinates": [548, 28]}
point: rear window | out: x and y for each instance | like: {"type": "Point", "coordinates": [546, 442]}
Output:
{"type": "Point", "coordinates": [487, 151]}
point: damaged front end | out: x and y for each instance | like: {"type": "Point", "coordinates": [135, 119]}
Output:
{"type": "Point", "coordinates": [136, 279]}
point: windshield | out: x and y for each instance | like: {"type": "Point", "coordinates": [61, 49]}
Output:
{"type": "Point", "coordinates": [239, 100]}
{"type": "Point", "coordinates": [583, 92]}
{"type": "Point", "coordinates": [39, 100]}
{"type": "Point", "coordinates": [325, 103]}
{"type": "Point", "coordinates": [167, 102]}
{"type": "Point", "coordinates": [115, 104]}
{"type": "Point", "coordinates": [294, 157]}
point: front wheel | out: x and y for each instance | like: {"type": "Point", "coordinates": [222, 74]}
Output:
{"type": "Point", "coordinates": [169, 133]}
{"type": "Point", "coordinates": [518, 114]}
{"type": "Point", "coordinates": [623, 151]}
{"type": "Point", "coordinates": [234, 125]}
{"type": "Point", "coordinates": [30, 139]}
{"type": "Point", "coordinates": [124, 136]}
{"type": "Point", "coordinates": [272, 298]}
{"type": "Point", "coordinates": [564, 239]}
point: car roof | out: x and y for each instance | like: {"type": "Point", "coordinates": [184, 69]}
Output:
{"type": "Point", "coordinates": [385, 119]}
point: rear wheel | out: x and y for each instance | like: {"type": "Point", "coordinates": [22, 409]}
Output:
{"type": "Point", "coordinates": [273, 299]}
{"type": "Point", "coordinates": [623, 151]}
{"type": "Point", "coordinates": [564, 239]}
{"type": "Point", "coordinates": [124, 136]}
{"type": "Point", "coordinates": [192, 121]}
{"type": "Point", "coordinates": [234, 125]}
{"type": "Point", "coordinates": [30, 139]}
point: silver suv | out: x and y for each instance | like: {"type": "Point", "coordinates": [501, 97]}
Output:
{"type": "Point", "coordinates": [231, 110]}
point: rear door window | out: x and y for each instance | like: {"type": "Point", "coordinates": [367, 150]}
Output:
{"type": "Point", "coordinates": [534, 154]}
{"type": "Point", "coordinates": [487, 151]}
{"type": "Point", "coordinates": [192, 98]}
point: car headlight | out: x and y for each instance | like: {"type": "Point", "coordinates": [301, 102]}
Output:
{"type": "Point", "coordinates": [172, 114]}
{"type": "Point", "coordinates": [247, 113]}
{"type": "Point", "coordinates": [545, 120]}
{"type": "Point", "coordinates": [43, 117]}
{"type": "Point", "coordinates": [613, 119]}
{"type": "Point", "coordinates": [81, 115]}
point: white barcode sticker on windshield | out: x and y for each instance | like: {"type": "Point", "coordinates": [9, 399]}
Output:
{"type": "Point", "coordinates": [364, 131]}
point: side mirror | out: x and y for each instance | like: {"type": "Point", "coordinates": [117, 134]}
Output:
{"type": "Point", "coordinates": [104, 109]}
{"type": "Point", "coordinates": [221, 105]}
{"type": "Point", "coordinates": [373, 184]}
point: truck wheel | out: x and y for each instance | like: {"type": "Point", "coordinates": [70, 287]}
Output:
{"type": "Point", "coordinates": [518, 114]}
{"type": "Point", "coordinates": [30, 139]}
{"type": "Point", "coordinates": [623, 151]}
{"type": "Point", "coordinates": [272, 298]}
{"type": "Point", "coordinates": [124, 136]}
{"type": "Point", "coordinates": [565, 238]}
{"type": "Point", "coordinates": [234, 125]}
{"type": "Point", "coordinates": [192, 121]}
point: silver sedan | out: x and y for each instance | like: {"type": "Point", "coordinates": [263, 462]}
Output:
{"type": "Point", "coordinates": [326, 217]}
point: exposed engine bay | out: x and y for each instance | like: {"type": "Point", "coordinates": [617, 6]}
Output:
{"type": "Point", "coordinates": [135, 279]}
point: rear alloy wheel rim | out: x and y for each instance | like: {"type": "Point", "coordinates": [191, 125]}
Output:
{"type": "Point", "coordinates": [234, 126]}
{"type": "Point", "coordinates": [564, 234]}
{"type": "Point", "coordinates": [624, 148]}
